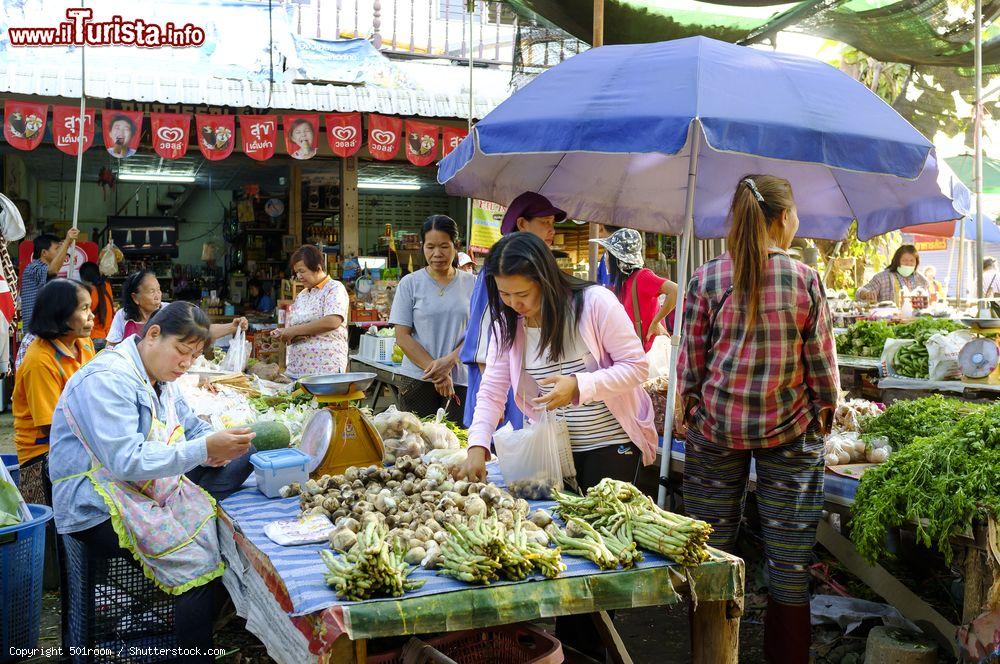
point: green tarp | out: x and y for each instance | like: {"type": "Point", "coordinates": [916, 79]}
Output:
{"type": "Point", "coordinates": [964, 166]}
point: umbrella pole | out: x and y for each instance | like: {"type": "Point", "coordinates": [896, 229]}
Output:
{"type": "Point", "coordinates": [594, 230]}
{"type": "Point", "coordinates": [80, 133]}
{"type": "Point", "coordinates": [682, 276]}
{"type": "Point", "coordinates": [979, 158]}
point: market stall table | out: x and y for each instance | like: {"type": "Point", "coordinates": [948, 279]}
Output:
{"type": "Point", "coordinates": [287, 604]}
{"type": "Point", "coordinates": [387, 376]}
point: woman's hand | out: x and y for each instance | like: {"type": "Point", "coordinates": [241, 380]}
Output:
{"type": "Point", "coordinates": [445, 387]}
{"type": "Point", "coordinates": [229, 444]}
{"type": "Point", "coordinates": [440, 368]}
{"type": "Point", "coordinates": [286, 334]}
{"type": "Point", "coordinates": [565, 391]}
{"type": "Point", "coordinates": [239, 324]}
{"type": "Point", "coordinates": [474, 468]}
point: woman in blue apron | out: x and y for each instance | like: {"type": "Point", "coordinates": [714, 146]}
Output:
{"type": "Point", "coordinates": [130, 464]}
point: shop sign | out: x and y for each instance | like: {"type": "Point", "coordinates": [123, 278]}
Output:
{"type": "Point", "coordinates": [450, 138]}
{"type": "Point", "coordinates": [383, 136]}
{"type": "Point", "coordinates": [929, 243]}
{"type": "Point", "coordinates": [301, 135]}
{"type": "Point", "coordinates": [66, 128]}
{"type": "Point", "coordinates": [216, 135]}
{"type": "Point", "coordinates": [122, 130]}
{"type": "Point", "coordinates": [421, 142]}
{"type": "Point", "coordinates": [486, 220]}
{"type": "Point", "coordinates": [24, 123]}
{"type": "Point", "coordinates": [343, 133]}
{"type": "Point", "coordinates": [260, 134]}
{"type": "Point", "coordinates": [170, 134]}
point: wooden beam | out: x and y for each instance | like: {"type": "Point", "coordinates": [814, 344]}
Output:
{"type": "Point", "coordinates": [888, 587]}
{"type": "Point", "coordinates": [715, 637]}
{"type": "Point", "coordinates": [349, 235]}
{"type": "Point", "coordinates": [617, 653]}
{"type": "Point", "coordinates": [598, 23]}
{"type": "Point", "coordinates": [295, 202]}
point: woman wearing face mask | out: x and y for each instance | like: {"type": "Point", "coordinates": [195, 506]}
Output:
{"type": "Point", "coordinates": [888, 285]}
{"type": "Point", "coordinates": [430, 311]}
{"type": "Point", "coordinates": [141, 300]}
{"type": "Point", "coordinates": [758, 379]}
{"type": "Point", "coordinates": [130, 460]}
{"type": "Point", "coordinates": [529, 213]}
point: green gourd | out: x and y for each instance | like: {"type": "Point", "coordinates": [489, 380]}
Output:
{"type": "Point", "coordinates": [270, 435]}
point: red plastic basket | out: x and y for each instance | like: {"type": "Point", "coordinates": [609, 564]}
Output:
{"type": "Point", "coordinates": [505, 644]}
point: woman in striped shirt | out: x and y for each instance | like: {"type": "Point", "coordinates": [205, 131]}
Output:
{"type": "Point", "coordinates": [567, 345]}
{"type": "Point", "coordinates": [758, 377]}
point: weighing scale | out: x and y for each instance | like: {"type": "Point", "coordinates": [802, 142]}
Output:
{"type": "Point", "coordinates": [339, 436]}
{"type": "Point", "coordinates": [979, 359]}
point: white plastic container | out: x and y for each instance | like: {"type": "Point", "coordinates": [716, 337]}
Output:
{"type": "Point", "coordinates": [277, 468]}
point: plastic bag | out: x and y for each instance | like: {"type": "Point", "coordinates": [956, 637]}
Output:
{"type": "Point", "coordinates": [943, 350]}
{"type": "Point", "coordinates": [529, 458]}
{"type": "Point", "coordinates": [238, 353]}
{"type": "Point", "coordinates": [888, 362]}
{"type": "Point", "coordinates": [392, 423]}
{"type": "Point", "coordinates": [659, 358]}
{"type": "Point", "coordinates": [107, 262]}
{"type": "Point", "coordinates": [437, 435]}
{"type": "Point", "coordinates": [408, 444]}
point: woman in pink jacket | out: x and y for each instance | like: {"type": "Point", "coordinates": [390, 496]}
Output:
{"type": "Point", "coordinates": [564, 344]}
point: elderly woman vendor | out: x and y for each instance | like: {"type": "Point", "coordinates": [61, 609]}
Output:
{"type": "Point", "coordinates": [130, 464]}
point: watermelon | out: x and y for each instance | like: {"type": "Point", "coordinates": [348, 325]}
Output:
{"type": "Point", "coordinates": [270, 435]}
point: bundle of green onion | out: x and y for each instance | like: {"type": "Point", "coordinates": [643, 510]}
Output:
{"type": "Point", "coordinates": [371, 568]}
{"type": "Point", "coordinates": [486, 550]}
{"type": "Point", "coordinates": [619, 510]}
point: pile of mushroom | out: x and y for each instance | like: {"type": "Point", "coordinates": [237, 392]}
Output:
{"type": "Point", "coordinates": [414, 500]}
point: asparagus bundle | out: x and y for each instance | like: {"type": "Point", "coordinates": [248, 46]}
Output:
{"type": "Point", "coordinates": [370, 568]}
{"type": "Point", "coordinates": [628, 515]}
{"type": "Point", "coordinates": [580, 539]}
{"type": "Point", "coordinates": [486, 550]}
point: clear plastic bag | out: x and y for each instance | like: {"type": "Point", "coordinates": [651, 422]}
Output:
{"type": "Point", "coordinates": [437, 435]}
{"type": "Point", "coordinates": [408, 444]}
{"type": "Point", "coordinates": [238, 353]}
{"type": "Point", "coordinates": [529, 458]}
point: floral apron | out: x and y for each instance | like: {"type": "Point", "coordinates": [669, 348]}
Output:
{"type": "Point", "coordinates": [168, 524]}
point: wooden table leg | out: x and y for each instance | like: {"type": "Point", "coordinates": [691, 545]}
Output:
{"type": "Point", "coordinates": [715, 637]}
{"type": "Point", "coordinates": [345, 651]}
{"type": "Point", "coordinates": [617, 652]}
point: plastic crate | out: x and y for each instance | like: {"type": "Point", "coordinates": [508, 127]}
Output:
{"type": "Point", "coordinates": [109, 606]}
{"type": "Point", "coordinates": [504, 644]}
{"type": "Point", "coordinates": [22, 560]}
{"type": "Point", "coordinates": [376, 349]}
{"type": "Point", "coordinates": [13, 467]}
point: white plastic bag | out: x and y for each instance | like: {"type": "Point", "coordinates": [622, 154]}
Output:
{"type": "Point", "coordinates": [238, 353]}
{"type": "Point", "coordinates": [437, 435]}
{"type": "Point", "coordinates": [659, 358]}
{"type": "Point", "coordinates": [107, 262]}
{"type": "Point", "coordinates": [943, 350]}
{"type": "Point", "coordinates": [887, 364]}
{"type": "Point", "coordinates": [529, 458]}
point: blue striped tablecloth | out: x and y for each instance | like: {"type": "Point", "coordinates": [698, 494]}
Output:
{"type": "Point", "coordinates": [301, 568]}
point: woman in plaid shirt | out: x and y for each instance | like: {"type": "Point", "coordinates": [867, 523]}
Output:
{"type": "Point", "coordinates": [758, 376]}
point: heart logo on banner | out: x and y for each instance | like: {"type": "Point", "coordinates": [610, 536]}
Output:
{"type": "Point", "coordinates": [383, 137]}
{"type": "Point", "coordinates": [345, 133]}
{"type": "Point", "coordinates": [170, 134]}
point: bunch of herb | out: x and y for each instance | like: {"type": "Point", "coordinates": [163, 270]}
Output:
{"type": "Point", "coordinates": [906, 420]}
{"type": "Point", "coordinates": [866, 338]}
{"type": "Point", "coordinates": [939, 483]}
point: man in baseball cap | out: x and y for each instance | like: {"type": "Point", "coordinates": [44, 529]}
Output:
{"type": "Point", "coordinates": [466, 262]}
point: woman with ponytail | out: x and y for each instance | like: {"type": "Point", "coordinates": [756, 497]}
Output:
{"type": "Point", "coordinates": [758, 379]}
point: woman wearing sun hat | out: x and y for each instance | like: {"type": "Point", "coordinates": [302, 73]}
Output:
{"type": "Point", "coordinates": [637, 287]}
{"type": "Point", "coordinates": [532, 213]}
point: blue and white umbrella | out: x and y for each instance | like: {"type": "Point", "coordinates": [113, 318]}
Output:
{"type": "Point", "coordinates": [657, 136]}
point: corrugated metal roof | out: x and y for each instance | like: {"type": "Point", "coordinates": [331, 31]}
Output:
{"type": "Point", "coordinates": [163, 87]}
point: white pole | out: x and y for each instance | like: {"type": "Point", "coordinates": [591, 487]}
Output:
{"type": "Point", "coordinates": [675, 342]}
{"type": "Point", "coordinates": [979, 158]}
{"type": "Point", "coordinates": [81, 131]}
{"type": "Point", "coordinates": [468, 203]}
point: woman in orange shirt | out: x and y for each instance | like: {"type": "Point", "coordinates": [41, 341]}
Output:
{"type": "Point", "coordinates": [102, 303]}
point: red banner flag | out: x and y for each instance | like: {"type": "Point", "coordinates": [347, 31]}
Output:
{"type": "Point", "coordinates": [450, 138]}
{"type": "Point", "coordinates": [343, 133]}
{"type": "Point", "coordinates": [301, 135]}
{"type": "Point", "coordinates": [260, 135]}
{"type": "Point", "coordinates": [216, 135]}
{"type": "Point", "coordinates": [24, 123]}
{"type": "Point", "coordinates": [65, 128]}
{"type": "Point", "coordinates": [383, 136]}
{"type": "Point", "coordinates": [122, 130]}
{"type": "Point", "coordinates": [421, 142]}
{"type": "Point", "coordinates": [171, 132]}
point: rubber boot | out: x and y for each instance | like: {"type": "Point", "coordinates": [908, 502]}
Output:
{"type": "Point", "coordinates": [787, 633]}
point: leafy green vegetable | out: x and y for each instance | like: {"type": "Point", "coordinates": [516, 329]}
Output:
{"type": "Point", "coordinates": [940, 483]}
{"type": "Point", "coordinates": [906, 420]}
{"type": "Point", "coordinates": [251, 362]}
{"type": "Point", "coordinates": [866, 338]}
{"type": "Point", "coordinates": [10, 500]}
{"type": "Point", "coordinates": [280, 402]}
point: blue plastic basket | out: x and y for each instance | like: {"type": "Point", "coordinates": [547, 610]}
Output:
{"type": "Point", "coordinates": [13, 467]}
{"type": "Point", "coordinates": [22, 559]}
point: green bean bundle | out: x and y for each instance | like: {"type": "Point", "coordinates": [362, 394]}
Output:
{"type": "Point", "coordinates": [370, 568]}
